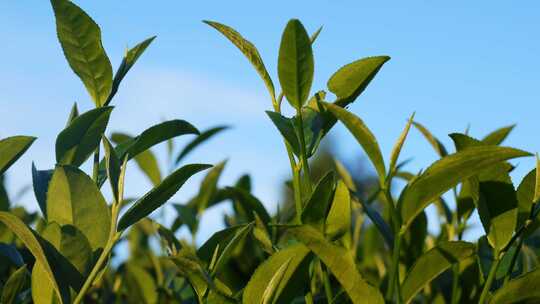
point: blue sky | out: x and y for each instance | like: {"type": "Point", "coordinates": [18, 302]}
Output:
{"type": "Point", "coordinates": [453, 63]}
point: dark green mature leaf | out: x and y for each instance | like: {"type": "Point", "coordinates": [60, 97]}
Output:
{"type": "Point", "coordinates": [16, 283]}
{"type": "Point", "coordinates": [380, 223]}
{"type": "Point", "coordinates": [225, 253]}
{"type": "Point", "coordinates": [40, 182]}
{"type": "Point", "coordinates": [140, 285]}
{"type": "Point", "coordinates": [285, 126]}
{"type": "Point", "coordinates": [315, 211]}
{"type": "Point", "coordinates": [11, 148]}
{"type": "Point", "coordinates": [338, 221]}
{"type": "Point", "coordinates": [80, 38]}
{"type": "Point", "coordinates": [313, 124]}
{"type": "Point", "coordinates": [351, 80]}
{"type": "Point", "coordinates": [32, 242]}
{"type": "Point", "coordinates": [525, 196]}
{"type": "Point", "coordinates": [81, 138]}
{"type": "Point", "coordinates": [341, 263]}
{"type": "Point", "coordinates": [11, 253]}
{"type": "Point", "coordinates": [249, 50]}
{"type": "Point", "coordinates": [273, 280]}
{"type": "Point", "coordinates": [435, 143]}
{"type": "Point", "coordinates": [447, 173]}
{"type": "Point", "coordinates": [523, 289]}
{"type": "Point", "coordinates": [432, 263]}
{"type": "Point", "coordinates": [73, 114]}
{"type": "Point", "coordinates": [498, 136]}
{"type": "Point", "coordinates": [363, 135]}
{"type": "Point", "coordinates": [112, 164]}
{"type": "Point", "coordinates": [146, 160]}
{"type": "Point", "coordinates": [159, 195]}
{"type": "Point", "coordinates": [203, 136]}
{"type": "Point", "coordinates": [190, 267]}
{"type": "Point", "coordinates": [295, 64]}
{"type": "Point", "coordinates": [127, 63]}
{"type": "Point", "coordinates": [74, 199]}
{"type": "Point", "coordinates": [219, 241]}
{"type": "Point", "coordinates": [249, 203]}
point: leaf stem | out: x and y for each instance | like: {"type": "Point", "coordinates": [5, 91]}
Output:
{"type": "Point", "coordinates": [490, 279]}
{"type": "Point", "coordinates": [394, 271]}
{"type": "Point", "coordinates": [327, 285]}
{"type": "Point", "coordinates": [95, 172]}
{"type": "Point", "coordinates": [303, 152]}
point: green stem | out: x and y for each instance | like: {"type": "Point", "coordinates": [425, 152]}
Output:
{"type": "Point", "coordinates": [303, 153]}
{"type": "Point", "coordinates": [95, 172]}
{"type": "Point", "coordinates": [513, 261]}
{"type": "Point", "coordinates": [455, 284]}
{"type": "Point", "coordinates": [490, 279]}
{"type": "Point", "coordinates": [327, 285]}
{"type": "Point", "coordinates": [393, 279]}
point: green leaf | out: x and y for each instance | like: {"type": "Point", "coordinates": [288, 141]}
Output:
{"type": "Point", "coordinates": [250, 203]}
{"type": "Point", "coordinates": [80, 38]}
{"type": "Point", "coordinates": [278, 279]}
{"type": "Point", "coordinates": [399, 144]}
{"type": "Point", "coordinates": [432, 263]}
{"type": "Point", "coordinates": [74, 199]}
{"type": "Point", "coordinates": [203, 136]}
{"type": "Point", "coordinates": [11, 148]}
{"type": "Point", "coordinates": [498, 136]}
{"type": "Point", "coordinates": [189, 266]}
{"type": "Point", "coordinates": [338, 221]}
{"type": "Point", "coordinates": [218, 240]}
{"type": "Point", "coordinates": [248, 49]}
{"type": "Point", "coordinates": [159, 195]}
{"type": "Point", "coordinates": [131, 56]}
{"type": "Point", "coordinates": [16, 283]}
{"type": "Point", "coordinates": [113, 165]}
{"type": "Point", "coordinates": [146, 160]}
{"type": "Point", "coordinates": [351, 80]}
{"type": "Point", "coordinates": [447, 173]}
{"type": "Point", "coordinates": [141, 287]}
{"type": "Point", "coordinates": [295, 64]}
{"type": "Point", "coordinates": [523, 289]}
{"type": "Point", "coordinates": [315, 211]}
{"type": "Point", "coordinates": [40, 182]}
{"type": "Point", "coordinates": [11, 253]}
{"type": "Point", "coordinates": [435, 143]}
{"type": "Point", "coordinates": [81, 138]}
{"type": "Point", "coordinates": [32, 242]}
{"type": "Point", "coordinates": [225, 254]}
{"type": "Point", "coordinates": [208, 186]}
{"type": "Point", "coordinates": [73, 114]}
{"type": "Point", "coordinates": [363, 135]}
{"type": "Point", "coordinates": [285, 126]}
{"type": "Point", "coordinates": [341, 263]}
{"type": "Point", "coordinates": [380, 223]}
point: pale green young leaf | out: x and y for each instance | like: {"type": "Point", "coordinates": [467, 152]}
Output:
{"type": "Point", "coordinates": [15, 284]}
{"type": "Point", "coordinates": [74, 199]}
{"type": "Point", "coordinates": [80, 38]}
{"type": "Point", "coordinates": [203, 136]}
{"type": "Point", "coordinates": [295, 64]}
{"type": "Point", "coordinates": [282, 288]}
{"type": "Point", "coordinates": [433, 141]}
{"type": "Point", "coordinates": [351, 80]}
{"type": "Point", "coordinates": [398, 145]}
{"type": "Point", "coordinates": [249, 50]}
{"type": "Point", "coordinates": [341, 263]}
{"type": "Point", "coordinates": [446, 173]}
{"type": "Point", "coordinates": [432, 263]}
{"type": "Point", "coordinates": [73, 114]}
{"type": "Point", "coordinates": [498, 136]}
{"type": "Point", "coordinates": [338, 221]}
{"type": "Point", "coordinates": [81, 138]}
{"type": "Point", "coordinates": [523, 289]}
{"type": "Point", "coordinates": [131, 56]}
{"type": "Point", "coordinates": [11, 148]}
{"type": "Point", "coordinates": [363, 135]}
{"type": "Point", "coordinates": [159, 195]}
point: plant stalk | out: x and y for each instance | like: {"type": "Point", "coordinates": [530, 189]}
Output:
{"type": "Point", "coordinates": [490, 279]}
{"type": "Point", "coordinates": [95, 171]}
{"type": "Point", "coordinates": [327, 285]}
{"type": "Point", "coordinates": [303, 153]}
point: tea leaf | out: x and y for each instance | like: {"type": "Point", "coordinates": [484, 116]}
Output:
{"type": "Point", "coordinates": [80, 38]}
{"type": "Point", "coordinates": [159, 195]}
{"type": "Point", "coordinates": [435, 143]}
{"type": "Point", "coordinates": [448, 172]}
{"type": "Point", "coordinates": [11, 149]}
{"type": "Point", "coordinates": [341, 263]}
{"type": "Point", "coordinates": [351, 80]}
{"type": "Point", "coordinates": [81, 138]}
{"type": "Point", "coordinates": [250, 203]}
{"type": "Point", "coordinates": [273, 281]}
{"type": "Point", "coordinates": [113, 165]}
{"type": "Point", "coordinates": [295, 64]}
{"type": "Point", "coordinates": [131, 56]}
{"type": "Point", "coordinates": [399, 144]}
{"type": "Point", "coordinates": [219, 240]}
{"type": "Point", "coordinates": [15, 284]}
{"type": "Point", "coordinates": [338, 221]}
{"type": "Point", "coordinates": [203, 136]}
{"type": "Point", "coordinates": [146, 160]}
{"type": "Point", "coordinates": [315, 211]}
{"type": "Point", "coordinates": [377, 219]}
{"type": "Point", "coordinates": [40, 182]}
{"type": "Point", "coordinates": [32, 242]}
{"type": "Point", "coordinates": [208, 186]}
{"type": "Point", "coordinates": [285, 126]}
{"type": "Point", "coordinates": [141, 285]}
{"type": "Point", "coordinates": [498, 136]}
{"type": "Point", "coordinates": [74, 199]}
{"type": "Point", "coordinates": [363, 135]}
{"type": "Point", "coordinates": [249, 50]}
{"type": "Point", "coordinates": [228, 249]}
{"type": "Point", "coordinates": [525, 288]}
{"type": "Point", "coordinates": [73, 114]}
{"type": "Point", "coordinates": [432, 263]}
{"type": "Point", "coordinates": [11, 253]}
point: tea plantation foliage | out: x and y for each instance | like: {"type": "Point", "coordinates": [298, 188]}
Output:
{"type": "Point", "coordinates": [334, 246]}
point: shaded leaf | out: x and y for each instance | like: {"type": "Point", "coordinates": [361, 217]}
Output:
{"type": "Point", "coordinates": [40, 182]}
{"type": "Point", "coordinates": [285, 126]}
{"type": "Point", "coordinates": [16, 283]}
{"type": "Point", "coordinates": [525, 288]}
{"type": "Point", "coordinates": [315, 211]}
{"type": "Point", "coordinates": [203, 136]}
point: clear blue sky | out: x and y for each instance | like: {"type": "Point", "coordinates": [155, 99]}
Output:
{"type": "Point", "coordinates": [453, 63]}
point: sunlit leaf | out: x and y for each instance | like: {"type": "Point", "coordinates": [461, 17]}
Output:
{"type": "Point", "coordinates": [203, 136]}
{"type": "Point", "coordinates": [11, 149]}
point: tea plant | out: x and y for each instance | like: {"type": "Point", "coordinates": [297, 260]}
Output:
{"type": "Point", "coordinates": [335, 245]}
